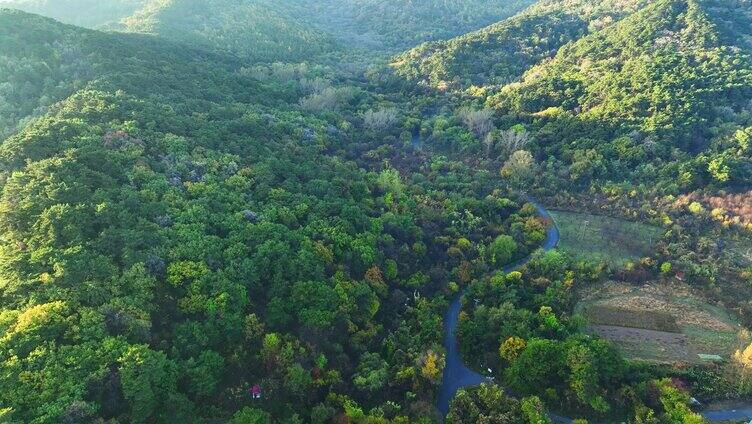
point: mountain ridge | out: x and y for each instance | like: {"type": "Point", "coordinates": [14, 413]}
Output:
{"type": "Point", "coordinates": [250, 29]}
{"type": "Point", "coordinates": [500, 53]}
{"type": "Point", "coordinates": [626, 71]}
{"type": "Point", "coordinates": [224, 211]}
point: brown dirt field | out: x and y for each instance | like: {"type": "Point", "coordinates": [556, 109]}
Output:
{"type": "Point", "coordinates": [675, 299]}
{"type": "Point", "coordinates": [649, 345]}
{"type": "Point", "coordinates": [625, 316]}
{"type": "Point", "coordinates": [636, 319]}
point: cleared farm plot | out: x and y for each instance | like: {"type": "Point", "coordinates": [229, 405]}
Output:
{"type": "Point", "coordinates": [649, 345]}
{"type": "Point", "coordinates": [657, 322]}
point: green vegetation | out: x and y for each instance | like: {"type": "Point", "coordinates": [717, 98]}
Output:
{"type": "Point", "coordinates": [269, 30]}
{"type": "Point", "coordinates": [489, 403]}
{"type": "Point", "coordinates": [636, 97]}
{"type": "Point", "coordinates": [624, 76]}
{"type": "Point", "coordinates": [521, 327]}
{"type": "Point", "coordinates": [238, 211]}
{"type": "Point", "coordinates": [500, 53]}
{"type": "Point", "coordinates": [266, 35]}
{"type": "Point", "coordinates": [400, 24]}
{"type": "Point", "coordinates": [601, 238]}
{"type": "Point", "coordinates": [621, 73]}
{"type": "Point", "coordinates": [171, 239]}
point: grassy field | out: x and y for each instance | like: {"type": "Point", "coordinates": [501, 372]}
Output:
{"type": "Point", "coordinates": [659, 322]}
{"type": "Point", "coordinates": [598, 237]}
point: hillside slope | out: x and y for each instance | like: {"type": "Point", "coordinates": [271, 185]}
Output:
{"type": "Point", "coordinates": [43, 61]}
{"type": "Point", "coordinates": [178, 228]}
{"type": "Point", "coordinates": [282, 29]}
{"type": "Point", "coordinates": [673, 68]}
{"type": "Point", "coordinates": [249, 28]}
{"type": "Point", "coordinates": [643, 93]}
{"type": "Point", "coordinates": [189, 234]}
{"type": "Point", "coordinates": [500, 53]}
{"type": "Point", "coordinates": [401, 24]}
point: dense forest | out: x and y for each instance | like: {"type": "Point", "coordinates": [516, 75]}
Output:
{"type": "Point", "coordinates": [256, 211]}
{"type": "Point", "coordinates": [502, 52]}
{"type": "Point", "coordinates": [401, 24]}
{"type": "Point", "coordinates": [214, 24]}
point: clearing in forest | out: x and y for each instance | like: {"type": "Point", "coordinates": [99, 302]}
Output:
{"type": "Point", "coordinates": [602, 238]}
{"type": "Point", "coordinates": [659, 322]}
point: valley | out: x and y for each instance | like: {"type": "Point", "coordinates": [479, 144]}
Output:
{"type": "Point", "coordinates": [294, 211]}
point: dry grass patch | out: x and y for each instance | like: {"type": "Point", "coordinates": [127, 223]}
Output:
{"type": "Point", "coordinates": [649, 345]}
{"type": "Point", "coordinates": [739, 251]}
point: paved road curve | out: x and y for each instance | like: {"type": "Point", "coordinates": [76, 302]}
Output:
{"type": "Point", "coordinates": [457, 375]}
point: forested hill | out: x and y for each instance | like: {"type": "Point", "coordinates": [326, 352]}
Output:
{"type": "Point", "coordinates": [208, 214]}
{"type": "Point", "coordinates": [674, 68]}
{"type": "Point", "coordinates": [659, 87]}
{"type": "Point", "coordinates": [502, 52]}
{"type": "Point", "coordinates": [45, 62]}
{"type": "Point", "coordinates": [283, 29]}
{"type": "Point", "coordinates": [400, 24]}
{"type": "Point", "coordinates": [177, 229]}
{"type": "Point", "coordinates": [255, 29]}
{"type": "Point", "coordinates": [299, 29]}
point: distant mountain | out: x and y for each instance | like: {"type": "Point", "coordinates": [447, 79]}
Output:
{"type": "Point", "coordinates": [400, 24]}
{"type": "Point", "coordinates": [502, 52]}
{"type": "Point", "coordinates": [282, 29]}
{"type": "Point", "coordinates": [86, 13]}
{"type": "Point", "coordinates": [44, 61]}
{"type": "Point", "coordinates": [254, 29]}
{"type": "Point", "coordinates": [370, 24]}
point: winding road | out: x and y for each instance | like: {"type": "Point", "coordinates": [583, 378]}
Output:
{"type": "Point", "coordinates": [457, 375]}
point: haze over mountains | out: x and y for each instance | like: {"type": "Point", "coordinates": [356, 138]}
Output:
{"type": "Point", "coordinates": [257, 211]}
{"type": "Point", "coordinates": [269, 34]}
{"type": "Point", "coordinates": [85, 13]}
{"type": "Point", "coordinates": [364, 23]}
